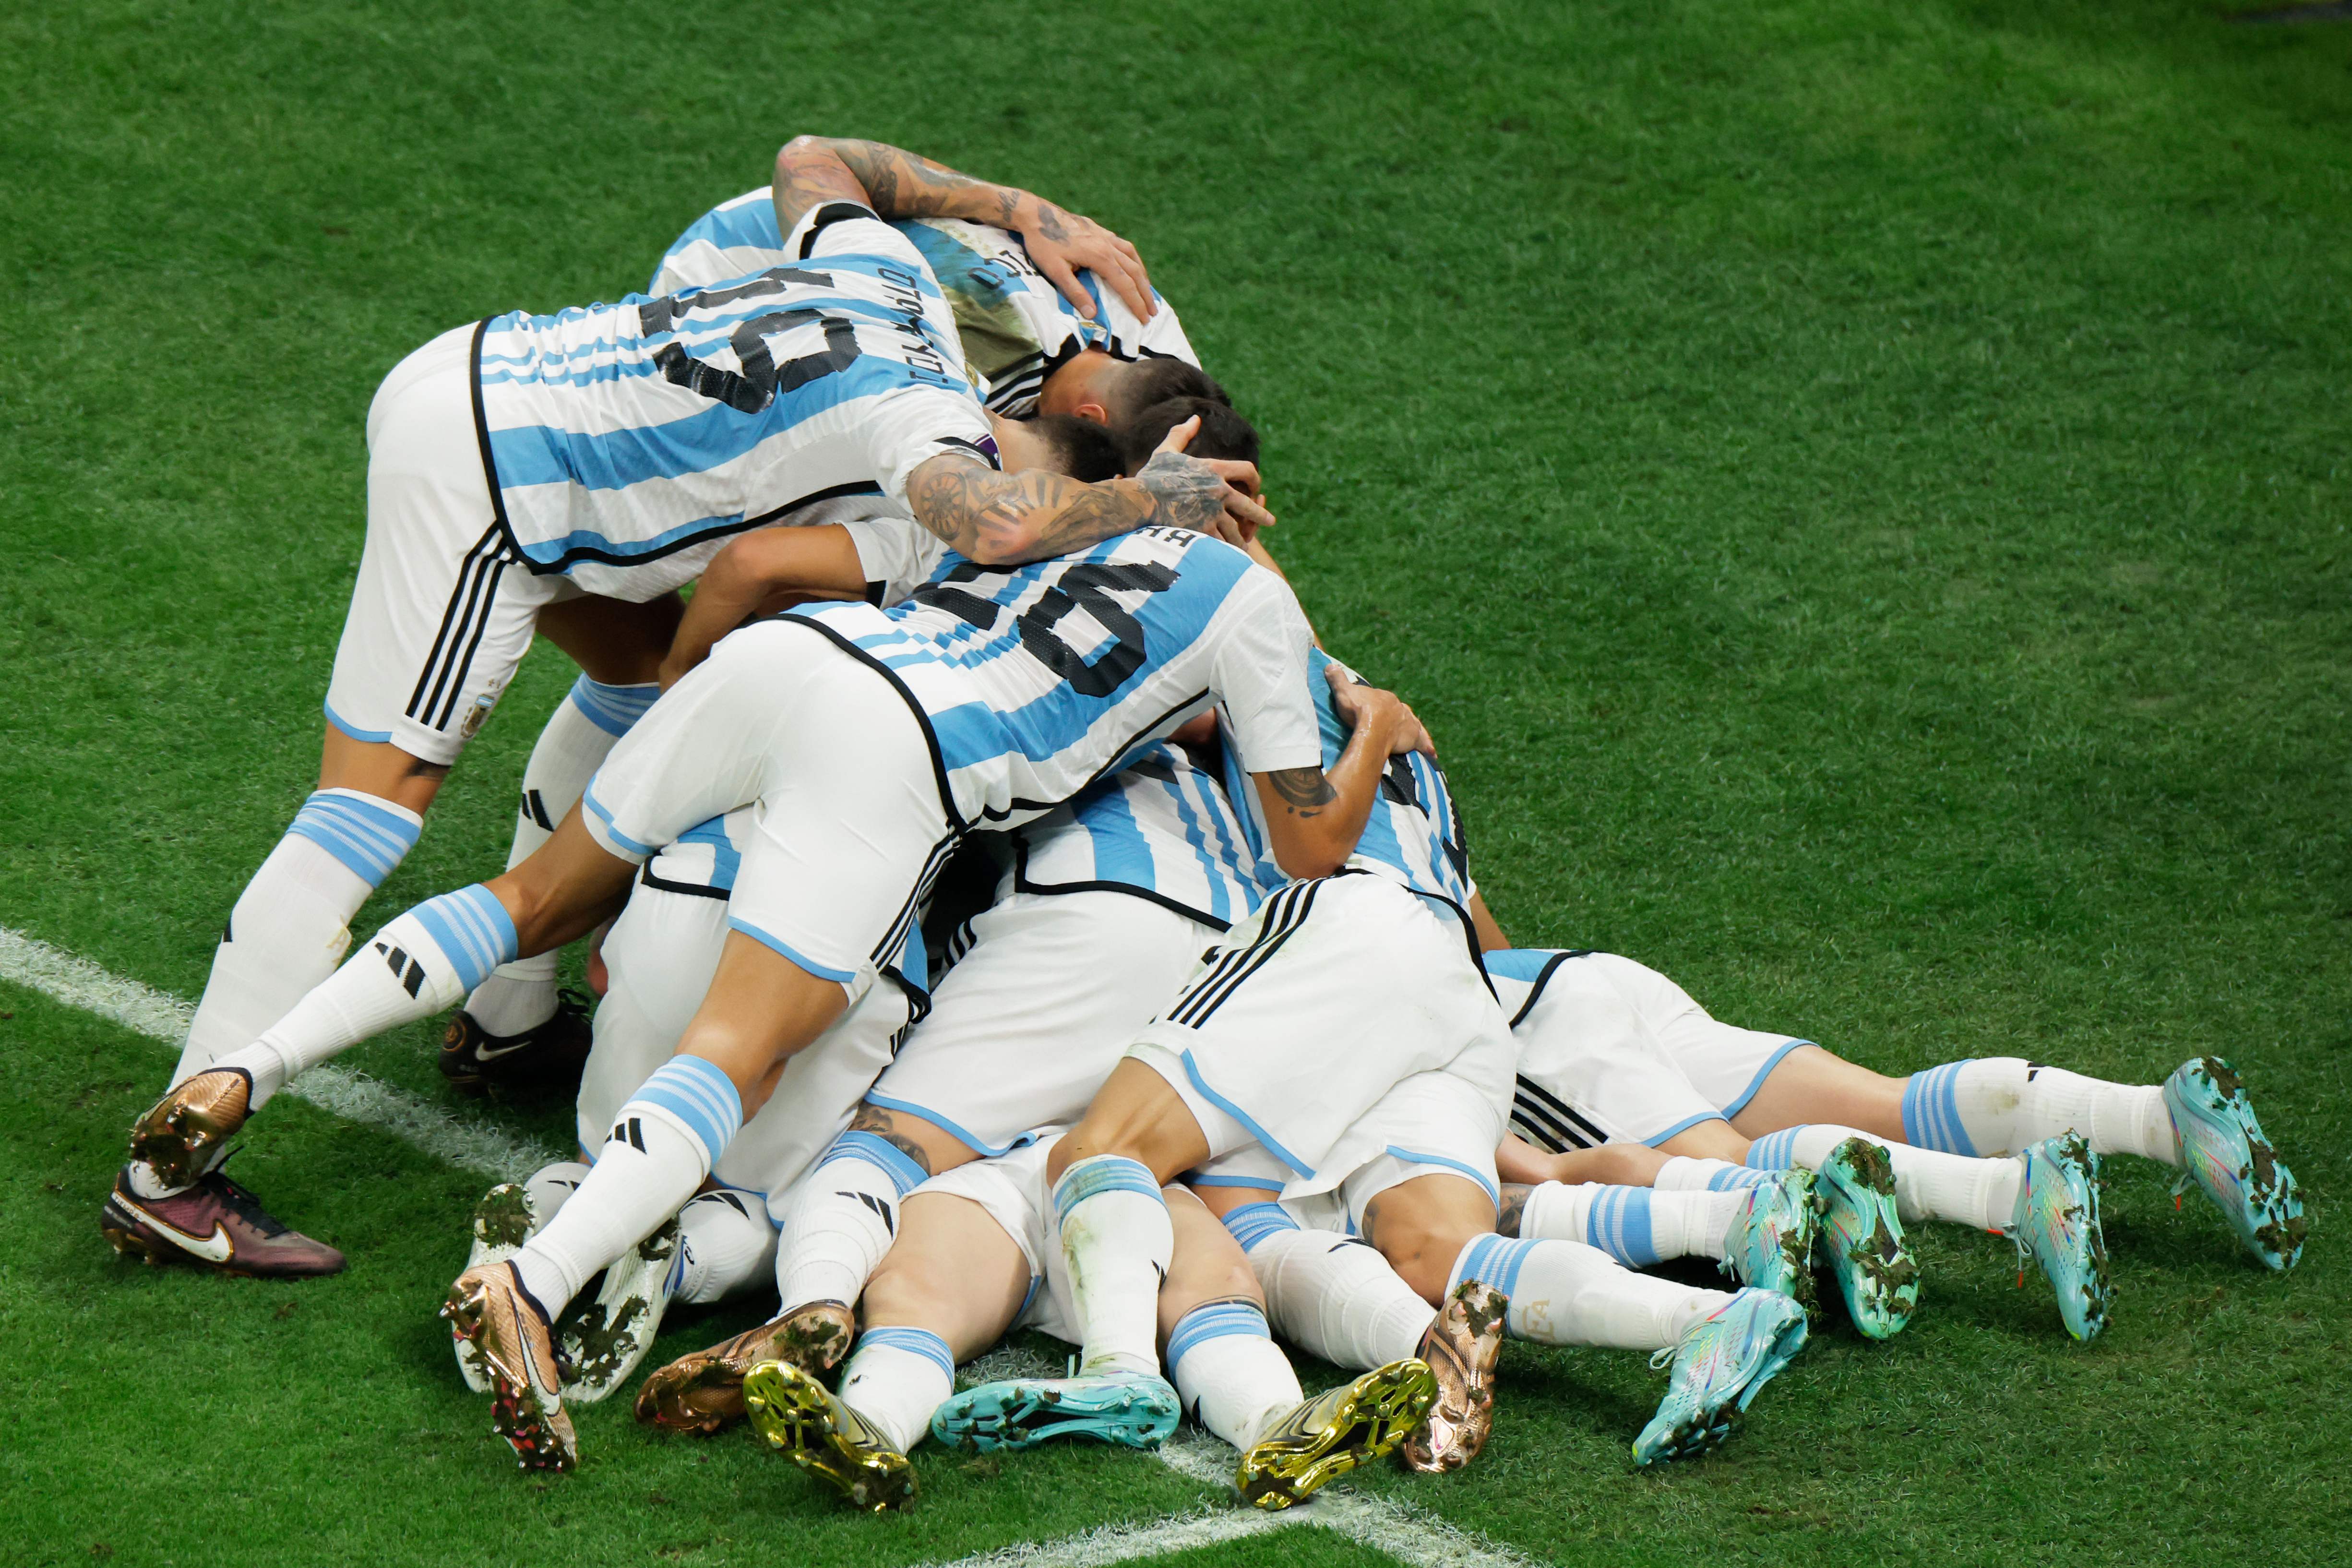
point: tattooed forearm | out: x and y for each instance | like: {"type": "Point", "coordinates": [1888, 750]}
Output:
{"type": "Point", "coordinates": [1304, 790]}
{"type": "Point", "coordinates": [1515, 1203]}
{"type": "Point", "coordinates": [1003, 520]}
{"type": "Point", "coordinates": [1185, 492]}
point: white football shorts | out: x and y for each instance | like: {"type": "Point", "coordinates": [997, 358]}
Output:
{"type": "Point", "coordinates": [661, 953]}
{"type": "Point", "coordinates": [1336, 991]}
{"type": "Point", "coordinates": [849, 828]}
{"type": "Point", "coordinates": [1029, 1022]}
{"type": "Point", "coordinates": [1611, 1052]}
{"type": "Point", "coordinates": [1012, 1188]}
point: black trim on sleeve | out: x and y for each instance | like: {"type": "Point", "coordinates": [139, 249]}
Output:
{"type": "Point", "coordinates": [776, 518]}
{"type": "Point", "coordinates": [830, 214]}
{"type": "Point", "coordinates": [697, 889]}
{"type": "Point", "coordinates": [1021, 884]}
{"type": "Point", "coordinates": [1542, 979]}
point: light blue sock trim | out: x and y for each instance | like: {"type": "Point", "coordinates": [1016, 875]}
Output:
{"type": "Point", "coordinates": [1100, 1173]}
{"type": "Point", "coordinates": [1619, 1224]}
{"type": "Point", "coordinates": [472, 929]}
{"type": "Point", "coordinates": [1772, 1152]}
{"type": "Point", "coordinates": [1212, 1320]}
{"type": "Point", "coordinates": [612, 708]}
{"type": "Point", "coordinates": [1252, 1222]}
{"type": "Point", "coordinates": [694, 1093]}
{"type": "Point", "coordinates": [361, 832]}
{"type": "Point", "coordinates": [914, 1342]}
{"type": "Point", "coordinates": [1931, 1110]}
{"type": "Point", "coordinates": [880, 1152]}
{"type": "Point", "coordinates": [1732, 1178]}
{"type": "Point", "coordinates": [1494, 1260]}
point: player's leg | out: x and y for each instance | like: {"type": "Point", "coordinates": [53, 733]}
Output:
{"type": "Point", "coordinates": [511, 1026]}
{"type": "Point", "coordinates": [1761, 1235]}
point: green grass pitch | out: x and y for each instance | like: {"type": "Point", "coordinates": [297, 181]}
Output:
{"type": "Point", "coordinates": [1858, 491]}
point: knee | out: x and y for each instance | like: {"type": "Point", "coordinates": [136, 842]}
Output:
{"type": "Point", "coordinates": [1421, 1253]}
{"type": "Point", "coordinates": [905, 1289]}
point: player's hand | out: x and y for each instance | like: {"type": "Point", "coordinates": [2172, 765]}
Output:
{"type": "Point", "coordinates": [1360, 705]}
{"type": "Point", "coordinates": [1061, 242]}
{"type": "Point", "coordinates": [1239, 514]}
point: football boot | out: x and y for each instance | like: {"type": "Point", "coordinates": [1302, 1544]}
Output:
{"type": "Point", "coordinates": [1862, 1236]}
{"type": "Point", "coordinates": [504, 1218]}
{"type": "Point", "coordinates": [182, 1134]}
{"type": "Point", "coordinates": [547, 1056]}
{"type": "Point", "coordinates": [1460, 1348]}
{"type": "Point", "coordinates": [1328, 1435]}
{"type": "Point", "coordinates": [1137, 1409]}
{"type": "Point", "coordinates": [2056, 1224]}
{"type": "Point", "coordinates": [510, 1331]}
{"type": "Point", "coordinates": [1722, 1361]}
{"type": "Point", "coordinates": [600, 1340]}
{"type": "Point", "coordinates": [2223, 1150]}
{"type": "Point", "coordinates": [1771, 1242]}
{"type": "Point", "coordinates": [802, 1420]}
{"type": "Point", "coordinates": [215, 1225]}
{"type": "Point", "coordinates": [702, 1391]}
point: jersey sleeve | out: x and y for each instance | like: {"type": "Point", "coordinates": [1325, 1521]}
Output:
{"type": "Point", "coordinates": [1261, 674]}
{"type": "Point", "coordinates": [897, 555]}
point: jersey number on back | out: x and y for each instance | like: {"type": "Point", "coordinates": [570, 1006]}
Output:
{"type": "Point", "coordinates": [1085, 586]}
{"type": "Point", "coordinates": [753, 387]}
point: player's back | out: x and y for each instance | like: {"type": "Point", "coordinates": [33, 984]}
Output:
{"type": "Point", "coordinates": [1160, 828]}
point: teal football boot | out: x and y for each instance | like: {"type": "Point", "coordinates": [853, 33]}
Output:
{"type": "Point", "coordinates": [2224, 1152]}
{"type": "Point", "coordinates": [2056, 1224]}
{"type": "Point", "coordinates": [1139, 1410]}
{"type": "Point", "coordinates": [1862, 1236]}
{"type": "Point", "coordinates": [1722, 1361]}
{"type": "Point", "coordinates": [1771, 1242]}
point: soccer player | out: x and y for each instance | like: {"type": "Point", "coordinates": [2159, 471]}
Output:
{"type": "Point", "coordinates": [1349, 1033]}
{"type": "Point", "coordinates": [552, 471]}
{"type": "Point", "coordinates": [1058, 320]}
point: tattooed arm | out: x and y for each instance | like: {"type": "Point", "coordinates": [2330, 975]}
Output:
{"type": "Point", "coordinates": [815, 169]}
{"type": "Point", "coordinates": [1314, 816]}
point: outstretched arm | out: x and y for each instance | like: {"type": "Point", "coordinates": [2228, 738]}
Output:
{"type": "Point", "coordinates": [743, 578]}
{"type": "Point", "coordinates": [810, 169]}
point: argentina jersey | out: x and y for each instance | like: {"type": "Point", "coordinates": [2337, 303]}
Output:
{"type": "Point", "coordinates": [1160, 828]}
{"type": "Point", "coordinates": [1033, 681]}
{"type": "Point", "coordinates": [1016, 326]}
{"type": "Point", "coordinates": [1414, 834]}
{"type": "Point", "coordinates": [627, 442]}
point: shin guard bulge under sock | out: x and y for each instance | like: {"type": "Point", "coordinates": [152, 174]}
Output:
{"type": "Point", "coordinates": [2003, 1105]}
{"type": "Point", "coordinates": [844, 1219]}
{"type": "Point", "coordinates": [1636, 1226]}
{"type": "Point", "coordinates": [1928, 1182]}
{"type": "Point", "coordinates": [1117, 1241]}
{"type": "Point", "coordinates": [725, 1242]}
{"type": "Point", "coordinates": [664, 1142]}
{"type": "Point", "coordinates": [1565, 1293]}
{"type": "Point", "coordinates": [1333, 1295]}
{"type": "Point", "coordinates": [1231, 1375]}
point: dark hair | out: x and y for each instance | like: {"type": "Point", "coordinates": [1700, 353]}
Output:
{"type": "Point", "coordinates": [1222, 433]}
{"type": "Point", "coordinates": [1156, 379]}
{"type": "Point", "coordinates": [1083, 449]}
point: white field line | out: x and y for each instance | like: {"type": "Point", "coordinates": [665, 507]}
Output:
{"type": "Point", "coordinates": [1405, 1534]}
{"type": "Point", "coordinates": [78, 982]}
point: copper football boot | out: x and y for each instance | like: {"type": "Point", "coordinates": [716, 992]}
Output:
{"type": "Point", "coordinates": [703, 1391]}
{"type": "Point", "coordinates": [180, 1135]}
{"type": "Point", "coordinates": [488, 1308]}
{"type": "Point", "coordinates": [1461, 1348]}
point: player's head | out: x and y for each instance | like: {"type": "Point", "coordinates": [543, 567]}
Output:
{"type": "Point", "coordinates": [1116, 391]}
{"type": "Point", "coordinates": [1058, 442]}
{"type": "Point", "coordinates": [1223, 434]}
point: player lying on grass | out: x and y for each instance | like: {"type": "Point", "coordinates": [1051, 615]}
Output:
{"type": "Point", "coordinates": [1057, 319]}
{"type": "Point", "coordinates": [1348, 1032]}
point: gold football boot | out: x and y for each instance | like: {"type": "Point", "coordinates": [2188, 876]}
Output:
{"type": "Point", "coordinates": [1461, 1348]}
{"type": "Point", "coordinates": [180, 1135]}
{"type": "Point", "coordinates": [488, 1308]}
{"type": "Point", "coordinates": [802, 1419]}
{"type": "Point", "coordinates": [1336, 1431]}
{"type": "Point", "coordinates": [703, 1391]}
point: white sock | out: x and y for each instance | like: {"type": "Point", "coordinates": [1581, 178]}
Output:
{"type": "Point", "coordinates": [1928, 1182]}
{"type": "Point", "coordinates": [843, 1220]}
{"type": "Point", "coordinates": [578, 735]}
{"type": "Point", "coordinates": [1635, 1225]}
{"type": "Point", "coordinates": [2003, 1105]}
{"type": "Point", "coordinates": [288, 929]}
{"type": "Point", "coordinates": [1232, 1378]}
{"type": "Point", "coordinates": [664, 1142]}
{"type": "Point", "coordinates": [896, 1378]}
{"type": "Point", "coordinates": [550, 1187]}
{"type": "Point", "coordinates": [1332, 1296]}
{"type": "Point", "coordinates": [725, 1242]}
{"type": "Point", "coordinates": [1565, 1293]}
{"type": "Point", "coordinates": [1117, 1241]}
{"type": "Point", "coordinates": [1683, 1174]}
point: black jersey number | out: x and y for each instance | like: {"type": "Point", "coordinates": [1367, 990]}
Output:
{"type": "Point", "coordinates": [759, 381]}
{"type": "Point", "coordinates": [1086, 586]}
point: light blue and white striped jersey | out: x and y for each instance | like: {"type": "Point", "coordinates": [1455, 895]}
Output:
{"type": "Point", "coordinates": [1033, 681]}
{"type": "Point", "coordinates": [630, 441]}
{"type": "Point", "coordinates": [1414, 834]}
{"type": "Point", "coordinates": [1016, 327]}
{"type": "Point", "coordinates": [1160, 828]}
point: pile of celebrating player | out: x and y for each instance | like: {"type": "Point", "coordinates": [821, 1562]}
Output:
{"type": "Point", "coordinates": [1010, 918]}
